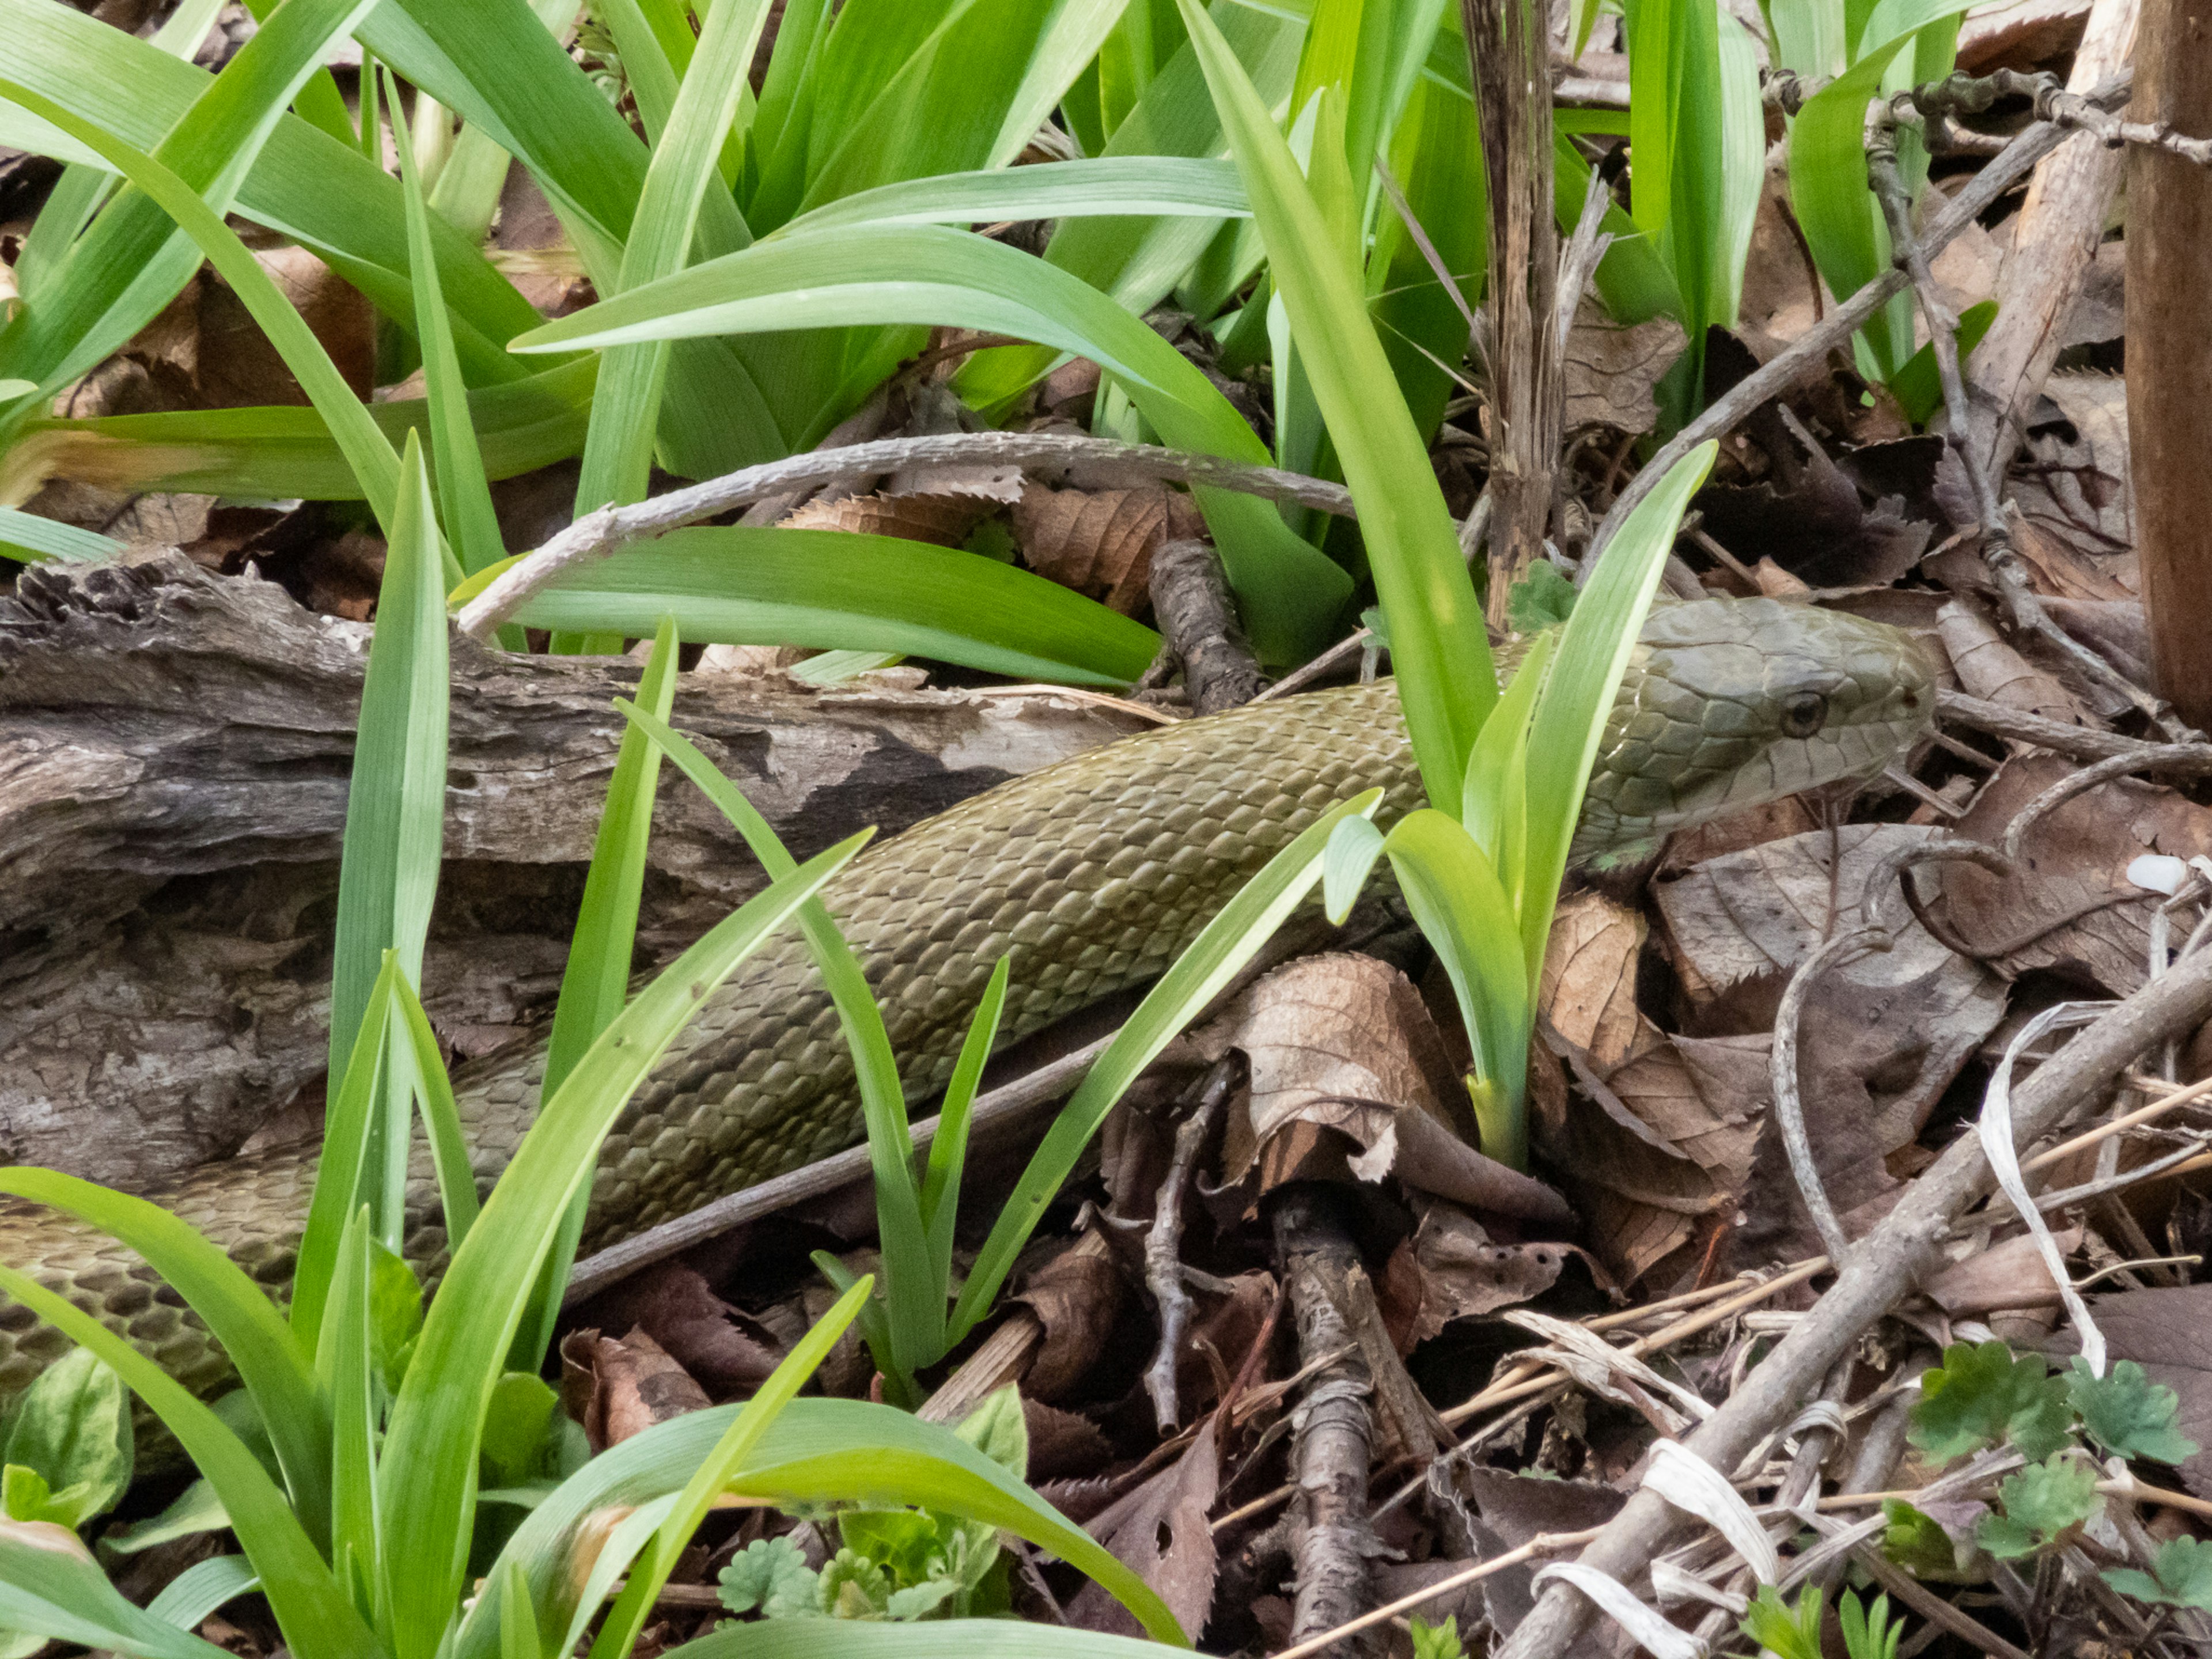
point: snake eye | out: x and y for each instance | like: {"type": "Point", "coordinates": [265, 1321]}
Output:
{"type": "Point", "coordinates": [1804, 714]}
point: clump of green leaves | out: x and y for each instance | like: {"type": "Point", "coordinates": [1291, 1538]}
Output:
{"type": "Point", "coordinates": [1984, 1395]}
{"type": "Point", "coordinates": [899, 1564]}
{"type": "Point", "coordinates": [68, 1445]}
{"type": "Point", "coordinates": [2180, 1576]}
{"type": "Point", "coordinates": [1792, 1629]}
{"type": "Point", "coordinates": [1437, 1641]}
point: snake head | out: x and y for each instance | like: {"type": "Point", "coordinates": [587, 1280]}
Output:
{"type": "Point", "coordinates": [1730, 704]}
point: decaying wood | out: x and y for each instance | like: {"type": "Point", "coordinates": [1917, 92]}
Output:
{"type": "Point", "coordinates": [1334, 1539]}
{"type": "Point", "coordinates": [1198, 619]}
{"type": "Point", "coordinates": [1506, 44]}
{"type": "Point", "coordinates": [2054, 242]}
{"type": "Point", "coordinates": [2169, 341]}
{"type": "Point", "coordinates": [174, 751]}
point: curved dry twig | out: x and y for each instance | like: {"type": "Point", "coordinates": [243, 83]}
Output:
{"type": "Point", "coordinates": [1782, 1071]}
{"type": "Point", "coordinates": [601, 532]}
{"type": "Point", "coordinates": [2191, 757]}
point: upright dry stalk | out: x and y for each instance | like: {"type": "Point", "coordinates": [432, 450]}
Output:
{"type": "Point", "coordinates": [2169, 349]}
{"type": "Point", "coordinates": [1507, 46]}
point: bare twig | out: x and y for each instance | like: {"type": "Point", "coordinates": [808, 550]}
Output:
{"type": "Point", "coordinates": [2192, 758]}
{"type": "Point", "coordinates": [1906, 1243]}
{"type": "Point", "coordinates": [598, 534]}
{"type": "Point", "coordinates": [1198, 619]}
{"type": "Point", "coordinates": [1332, 1540]}
{"type": "Point", "coordinates": [1550, 1543]}
{"type": "Point", "coordinates": [1782, 1071]}
{"type": "Point", "coordinates": [1930, 1605]}
{"type": "Point", "coordinates": [1163, 1272]}
{"type": "Point", "coordinates": [1779, 376]}
{"type": "Point", "coordinates": [2019, 726]}
{"type": "Point", "coordinates": [2004, 562]}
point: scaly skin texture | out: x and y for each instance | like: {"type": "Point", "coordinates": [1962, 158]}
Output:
{"type": "Point", "coordinates": [1095, 874]}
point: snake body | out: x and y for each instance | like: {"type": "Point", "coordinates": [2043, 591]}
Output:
{"type": "Point", "coordinates": [1095, 873]}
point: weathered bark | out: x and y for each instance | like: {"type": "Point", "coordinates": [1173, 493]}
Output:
{"type": "Point", "coordinates": [2054, 244]}
{"type": "Point", "coordinates": [2170, 352]}
{"type": "Point", "coordinates": [1198, 619]}
{"type": "Point", "coordinates": [174, 751]}
{"type": "Point", "coordinates": [1507, 46]}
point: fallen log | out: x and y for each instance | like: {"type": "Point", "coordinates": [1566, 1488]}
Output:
{"type": "Point", "coordinates": [174, 753]}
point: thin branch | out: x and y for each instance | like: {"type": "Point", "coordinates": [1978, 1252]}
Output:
{"type": "Point", "coordinates": [599, 533]}
{"type": "Point", "coordinates": [1777, 376]}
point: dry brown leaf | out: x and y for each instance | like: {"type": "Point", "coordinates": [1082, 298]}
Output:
{"type": "Point", "coordinates": [1611, 367]}
{"type": "Point", "coordinates": [2071, 860]}
{"type": "Point", "coordinates": [1222, 1335]}
{"type": "Point", "coordinates": [1062, 1445]}
{"type": "Point", "coordinates": [2060, 570]}
{"type": "Point", "coordinates": [1342, 1045]}
{"type": "Point", "coordinates": [2001, 1278]}
{"type": "Point", "coordinates": [1456, 1273]}
{"type": "Point", "coordinates": [2080, 482]}
{"type": "Point", "coordinates": [941, 520]}
{"type": "Point", "coordinates": [1077, 1295]}
{"type": "Point", "coordinates": [1501, 1512]}
{"type": "Point", "coordinates": [1589, 986]}
{"type": "Point", "coordinates": [725, 1349]}
{"type": "Point", "coordinates": [1790, 815]}
{"type": "Point", "coordinates": [1991, 669]}
{"type": "Point", "coordinates": [1101, 543]}
{"type": "Point", "coordinates": [617, 1389]}
{"type": "Point", "coordinates": [236, 366]}
{"type": "Point", "coordinates": [1161, 1533]}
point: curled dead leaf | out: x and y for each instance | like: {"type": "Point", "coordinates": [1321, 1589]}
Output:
{"type": "Point", "coordinates": [1160, 1531]}
{"type": "Point", "coordinates": [1588, 986]}
{"type": "Point", "coordinates": [1077, 1295]}
{"type": "Point", "coordinates": [617, 1389]}
{"type": "Point", "coordinates": [1101, 543]}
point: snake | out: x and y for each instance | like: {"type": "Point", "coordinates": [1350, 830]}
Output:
{"type": "Point", "coordinates": [1094, 874]}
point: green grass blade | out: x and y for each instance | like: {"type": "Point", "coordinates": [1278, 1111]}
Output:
{"type": "Point", "coordinates": [1463, 912]}
{"type": "Point", "coordinates": [464, 492]}
{"type": "Point", "coordinates": [276, 451]}
{"type": "Point", "coordinates": [27, 536]}
{"type": "Point", "coordinates": [342, 1364]}
{"type": "Point", "coordinates": [51, 1586]}
{"type": "Point", "coordinates": [1495, 768]}
{"type": "Point", "coordinates": [948, 1153]}
{"type": "Point", "coordinates": [913, 1334]}
{"type": "Point", "coordinates": [130, 262]}
{"type": "Point", "coordinates": [595, 982]}
{"type": "Point", "coordinates": [1438, 641]}
{"type": "Point", "coordinates": [518, 1620]}
{"type": "Point", "coordinates": [237, 1311]}
{"type": "Point", "coordinates": [1290, 593]}
{"type": "Point", "coordinates": [1218, 953]}
{"type": "Point", "coordinates": [1594, 651]}
{"type": "Point", "coordinates": [816, 1451]}
{"type": "Point", "coordinates": [200, 1589]}
{"type": "Point", "coordinates": [830, 590]}
{"type": "Point", "coordinates": [365, 445]}
{"type": "Point", "coordinates": [684, 173]}
{"type": "Point", "coordinates": [311, 1610]}
{"type": "Point", "coordinates": [1918, 387]}
{"type": "Point", "coordinates": [1161, 185]}
{"type": "Point", "coordinates": [395, 811]}
{"type": "Point", "coordinates": [348, 1128]}
{"type": "Point", "coordinates": [441, 1115]}
{"type": "Point", "coordinates": [651, 1569]}
{"type": "Point", "coordinates": [317, 100]}
{"type": "Point", "coordinates": [428, 1472]}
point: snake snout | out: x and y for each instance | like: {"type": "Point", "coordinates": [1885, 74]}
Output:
{"type": "Point", "coordinates": [1740, 702]}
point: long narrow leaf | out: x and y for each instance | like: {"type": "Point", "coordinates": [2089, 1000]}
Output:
{"type": "Point", "coordinates": [395, 807]}
{"type": "Point", "coordinates": [471, 523]}
{"type": "Point", "coordinates": [1437, 637]}
{"type": "Point", "coordinates": [311, 1610]}
{"type": "Point", "coordinates": [428, 1471]}
{"type": "Point", "coordinates": [366, 447]}
{"type": "Point", "coordinates": [51, 1586]}
{"type": "Point", "coordinates": [831, 589]}
{"type": "Point", "coordinates": [1161, 185]}
{"type": "Point", "coordinates": [651, 1569]}
{"type": "Point", "coordinates": [1594, 651]}
{"type": "Point", "coordinates": [948, 1153]}
{"type": "Point", "coordinates": [1289, 593]}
